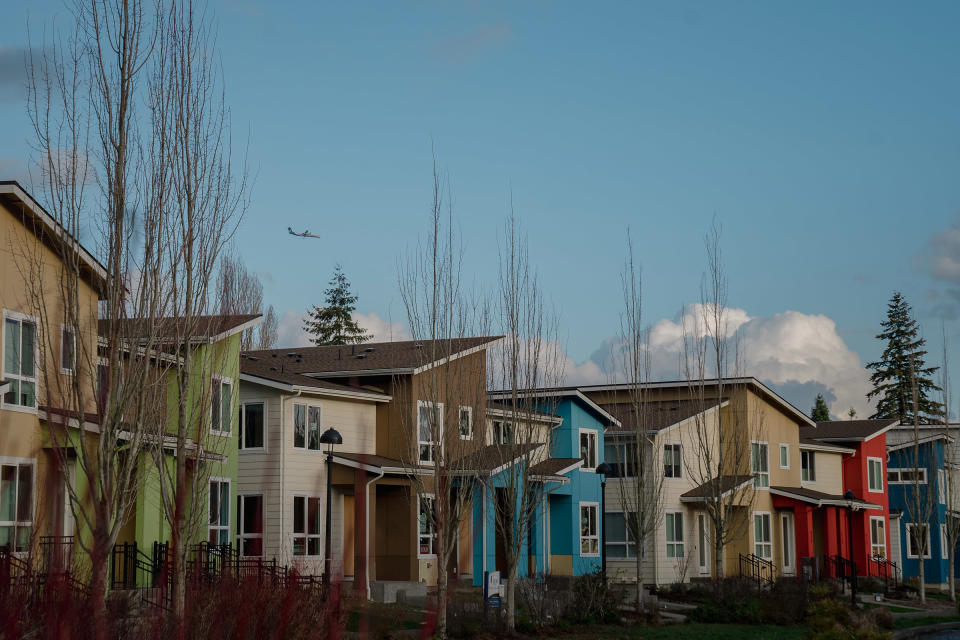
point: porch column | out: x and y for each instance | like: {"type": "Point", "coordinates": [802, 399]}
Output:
{"type": "Point", "coordinates": [360, 531]}
{"type": "Point", "coordinates": [803, 530]}
{"type": "Point", "coordinates": [832, 545]}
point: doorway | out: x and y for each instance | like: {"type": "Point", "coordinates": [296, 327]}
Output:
{"type": "Point", "coordinates": [703, 544]}
{"type": "Point", "coordinates": [787, 547]}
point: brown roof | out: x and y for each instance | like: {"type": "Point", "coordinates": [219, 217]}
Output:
{"type": "Point", "coordinates": [204, 327]}
{"type": "Point", "coordinates": [278, 370]}
{"type": "Point", "coordinates": [839, 430]}
{"type": "Point", "coordinates": [492, 457]}
{"type": "Point", "coordinates": [656, 414]}
{"type": "Point", "coordinates": [716, 486]}
{"type": "Point", "coordinates": [817, 497]}
{"type": "Point", "coordinates": [553, 466]}
{"type": "Point", "coordinates": [372, 356]}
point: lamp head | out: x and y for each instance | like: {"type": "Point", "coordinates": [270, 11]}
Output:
{"type": "Point", "coordinates": [603, 469]}
{"type": "Point", "coordinates": [331, 437]}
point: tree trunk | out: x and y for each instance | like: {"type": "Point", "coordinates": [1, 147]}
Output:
{"type": "Point", "coordinates": [98, 583]}
{"type": "Point", "coordinates": [442, 579]}
{"type": "Point", "coordinates": [923, 589]}
{"type": "Point", "coordinates": [717, 557]}
{"type": "Point", "coordinates": [511, 598]}
{"type": "Point", "coordinates": [950, 572]}
{"type": "Point", "coordinates": [639, 579]}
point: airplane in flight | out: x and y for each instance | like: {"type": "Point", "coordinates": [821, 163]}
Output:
{"type": "Point", "coordinates": [305, 234]}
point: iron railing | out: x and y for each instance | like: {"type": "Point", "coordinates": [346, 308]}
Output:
{"type": "Point", "coordinates": [757, 569]}
{"type": "Point", "coordinates": [887, 570]}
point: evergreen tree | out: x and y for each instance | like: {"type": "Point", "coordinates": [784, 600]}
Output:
{"type": "Point", "coordinates": [892, 374]}
{"type": "Point", "coordinates": [333, 323]}
{"type": "Point", "coordinates": [820, 413]}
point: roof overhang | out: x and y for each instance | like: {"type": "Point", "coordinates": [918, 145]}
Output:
{"type": "Point", "coordinates": [382, 469]}
{"type": "Point", "coordinates": [826, 447]}
{"type": "Point", "coordinates": [533, 416]}
{"type": "Point", "coordinates": [868, 438]}
{"type": "Point", "coordinates": [563, 393]}
{"type": "Point", "coordinates": [726, 493]}
{"type": "Point", "coordinates": [919, 441]}
{"type": "Point", "coordinates": [319, 391]}
{"type": "Point", "coordinates": [834, 502]}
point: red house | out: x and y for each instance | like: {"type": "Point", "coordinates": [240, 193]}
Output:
{"type": "Point", "coordinates": [865, 474]}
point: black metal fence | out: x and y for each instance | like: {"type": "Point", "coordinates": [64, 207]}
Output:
{"type": "Point", "coordinates": [757, 569]}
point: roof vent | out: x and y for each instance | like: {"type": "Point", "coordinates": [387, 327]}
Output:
{"type": "Point", "coordinates": [299, 360]}
{"type": "Point", "coordinates": [361, 356]}
{"type": "Point", "coordinates": [252, 358]}
{"type": "Point", "coordinates": [291, 355]}
{"type": "Point", "coordinates": [368, 349]}
{"type": "Point", "coordinates": [273, 355]}
{"type": "Point", "coordinates": [418, 346]}
{"type": "Point", "coordinates": [273, 368]}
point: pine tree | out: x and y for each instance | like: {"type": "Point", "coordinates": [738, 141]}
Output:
{"type": "Point", "coordinates": [820, 413]}
{"type": "Point", "coordinates": [333, 323]}
{"type": "Point", "coordinates": [892, 374]}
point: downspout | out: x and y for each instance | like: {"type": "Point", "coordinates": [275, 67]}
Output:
{"type": "Point", "coordinates": [367, 523]}
{"type": "Point", "coordinates": [283, 457]}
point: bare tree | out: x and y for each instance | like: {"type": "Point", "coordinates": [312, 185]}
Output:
{"type": "Point", "coordinates": [85, 90]}
{"type": "Point", "coordinates": [240, 291]}
{"type": "Point", "coordinates": [639, 483]}
{"type": "Point", "coordinates": [920, 498]}
{"type": "Point", "coordinates": [950, 465]}
{"type": "Point", "coordinates": [719, 453]}
{"type": "Point", "coordinates": [444, 427]}
{"type": "Point", "coordinates": [528, 359]}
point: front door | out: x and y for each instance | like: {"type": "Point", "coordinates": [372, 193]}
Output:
{"type": "Point", "coordinates": [788, 549]}
{"type": "Point", "coordinates": [703, 545]}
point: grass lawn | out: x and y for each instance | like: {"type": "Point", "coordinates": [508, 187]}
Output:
{"type": "Point", "coordinates": [892, 607]}
{"type": "Point", "coordinates": [907, 623]}
{"type": "Point", "coordinates": [687, 632]}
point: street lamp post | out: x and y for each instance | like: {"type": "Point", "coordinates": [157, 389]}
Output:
{"type": "Point", "coordinates": [603, 469]}
{"type": "Point", "coordinates": [330, 437]}
{"type": "Point", "coordinates": [851, 498]}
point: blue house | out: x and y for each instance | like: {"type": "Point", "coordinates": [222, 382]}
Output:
{"type": "Point", "coordinates": [563, 536]}
{"type": "Point", "coordinates": [904, 465]}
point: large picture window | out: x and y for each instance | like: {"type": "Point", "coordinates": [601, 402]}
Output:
{"type": "Point", "coordinates": [674, 523]}
{"type": "Point", "coordinates": [621, 454]}
{"type": "Point", "coordinates": [221, 398]}
{"type": "Point", "coordinates": [16, 504]}
{"type": "Point", "coordinates": [672, 459]}
{"type": "Point", "coordinates": [760, 464]}
{"type": "Point", "coordinates": [808, 466]}
{"type": "Point", "coordinates": [589, 529]}
{"type": "Point", "coordinates": [250, 518]}
{"type": "Point", "coordinates": [429, 430]}
{"type": "Point", "coordinates": [875, 475]}
{"type": "Point", "coordinates": [306, 526]}
{"type": "Point", "coordinates": [20, 360]}
{"type": "Point", "coordinates": [426, 532]}
{"type": "Point", "coordinates": [620, 541]}
{"type": "Point", "coordinates": [588, 449]}
{"type": "Point", "coordinates": [218, 527]}
{"type": "Point", "coordinates": [251, 425]}
{"type": "Point", "coordinates": [762, 537]}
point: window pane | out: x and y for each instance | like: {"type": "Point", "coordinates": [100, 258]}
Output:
{"type": "Point", "coordinates": [253, 514]}
{"type": "Point", "coordinates": [225, 399]}
{"type": "Point", "coordinates": [426, 420]}
{"type": "Point", "coordinates": [8, 492]}
{"type": "Point", "coordinates": [616, 527]}
{"type": "Point", "coordinates": [253, 425]}
{"type": "Point", "coordinates": [313, 546]}
{"type": "Point", "coordinates": [11, 348]}
{"type": "Point", "coordinates": [28, 394]}
{"type": "Point", "coordinates": [214, 502]}
{"type": "Point", "coordinates": [299, 546]}
{"type": "Point", "coordinates": [224, 505]}
{"type": "Point", "coordinates": [252, 547]}
{"type": "Point", "coordinates": [23, 538]}
{"type": "Point", "coordinates": [299, 425]}
{"type": "Point", "coordinates": [66, 349]}
{"type": "Point", "coordinates": [298, 513]}
{"type": "Point", "coordinates": [313, 516]}
{"type": "Point", "coordinates": [784, 457]}
{"type": "Point", "coordinates": [314, 424]}
{"type": "Point", "coordinates": [28, 333]}
{"type": "Point", "coordinates": [25, 494]}
{"type": "Point", "coordinates": [13, 395]}
{"type": "Point", "coordinates": [215, 405]}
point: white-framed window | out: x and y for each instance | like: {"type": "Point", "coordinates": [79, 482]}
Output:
{"type": "Point", "coordinates": [944, 542]}
{"type": "Point", "coordinates": [250, 516]}
{"type": "Point", "coordinates": [760, 464]}
{"type": "Point", "coordinates": [589, 529]}
{"type": "Point", "coordinates": [429, 430]}
{"type": "Point", "coordinates": [673, 521]}
{"type": "Point", "coordinates": [916, 534]}
{"type": "Point", "coordinates": [221, 401]}
{"type": "Point", "coordinates": [306, 427]}
{"type": "Point", "coordinates": [252, 426]}
{"type": "Point", "coordinates": [306, 526]}
{"type": "Point", "coordinates": [672, 460]}
{"type": "Point", "coordinates": [20, 355]}
{"type": "Point", "coordinates": [588, 449]}
{"type": "Point", "coordinates": [875, 475]}
{"type": "Point", "coordinates": [621, 454]}
{"type": "Point", "coordinates": [17, 481]}
{"type": "Point", "coordinates": [620, 541]}
{"type": "Point", "coordinates": [762, 538]}
{"type": "Point", "coordinates": [942, 486]}
{"type": "Point", "coordinates": [878, 537]}
{"type": "Point", "coordinates": [808, 466]}
{"type": "Point", "coordinates": [502, 432]}
{"type": "Point", "coordinates": [906, 476]}
{"type": "Point", "coordinates": [466, 423]}
{"type": "Point", "coordinates": [784, 456]}
{"type": "Point", "coordinates": [68, 349]}
{"type": "Point", "coordinates": [426, 531]}
{"type": "Point", "coordinates": [218, 526]}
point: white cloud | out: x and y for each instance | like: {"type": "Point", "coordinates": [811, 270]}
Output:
{"type": "Point", "coordinates": [290, 331]}
{"type": "Point", "coordinates": [943, 257]}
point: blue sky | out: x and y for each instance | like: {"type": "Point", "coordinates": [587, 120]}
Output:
{"type": "Point", "coordinates": [824, 136]}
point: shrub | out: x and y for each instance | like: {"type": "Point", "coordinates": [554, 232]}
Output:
{"type": "Point", "coordinates": [728, 611]}
{"type": "Point", "coordinates": [542, 601]}
{"type": "Point", "coordinates": [593, 600]}
{"type": "Point", "coordinates": [831, 619]}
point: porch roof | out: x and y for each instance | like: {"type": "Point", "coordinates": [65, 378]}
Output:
{"type": "Point", "coordinates": [819, 498]}
{"type": "Point", "coordinates": [718, 486]}
{"type": "Point", "coordinates": [555, 469]}
{"type": "Point", "coordinates": [848, 430]}
{"type": "Point", "coordinates": [379, 464]}
{"type": "Point", "coordinates": [492, 459]}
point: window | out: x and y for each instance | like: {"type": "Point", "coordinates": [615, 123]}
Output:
{"type": "Point", "coordinates": [762, 545]}
{"type": "Point", "coordinates": [941, 486]}
{"type": "Point", "coordinates": [589, 529]}
{"type": "Point", "coordinates": [427, 534]}
{"type": "Point", "coordinates": [875, 475]}
{"type": "Point", "coordinates": [674, 523]}
{"type": "Point", "coordinates": [429, 430]}
{"type": "Point", "coordinates": [218, 528]}
{"type": "Point", "coordinates": [784, 456]}
{"type": "Point", "coordinates": [760, 464]}
{"type": "Point", "coordinates": [251, 425]}
{"type": "Point", "coordinates": [502, 432]}
{"type": "Point", "coordinates": [808, 467]}
{"type": "Point", "coordinates": [622, 456]}
{"type": "Point", "coordinates": [306, 427]}
{"type": "Point", "coordinates": [68, 355]}
{"type": "Point", "coordinates": [878, 538]}
{"type": "Point", "coordinates": [671, 461]}
{"type": "Point", "coordinates": [906, 476]}
{"type": "Point", "coordinates": [466, 423]}
{"type": "Point", "coordinates": [620, 542]}
{"type": "Point", "coordinates": [588, 449]}
{"type": "Point", "coordinates": [944, 542]}
{"type": "Point", "coordinates": [220, 403]}
{"type": "Point", "coordinates": [16, 504]}
{"type": "Point", "coordinates": [19, 359]}
{"type": "Point", "coordinates": [918, 534]}
{"type": "Point", "coordinates": [306, 526]}
{"type": "Point", "coordinates": [250, 518]}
